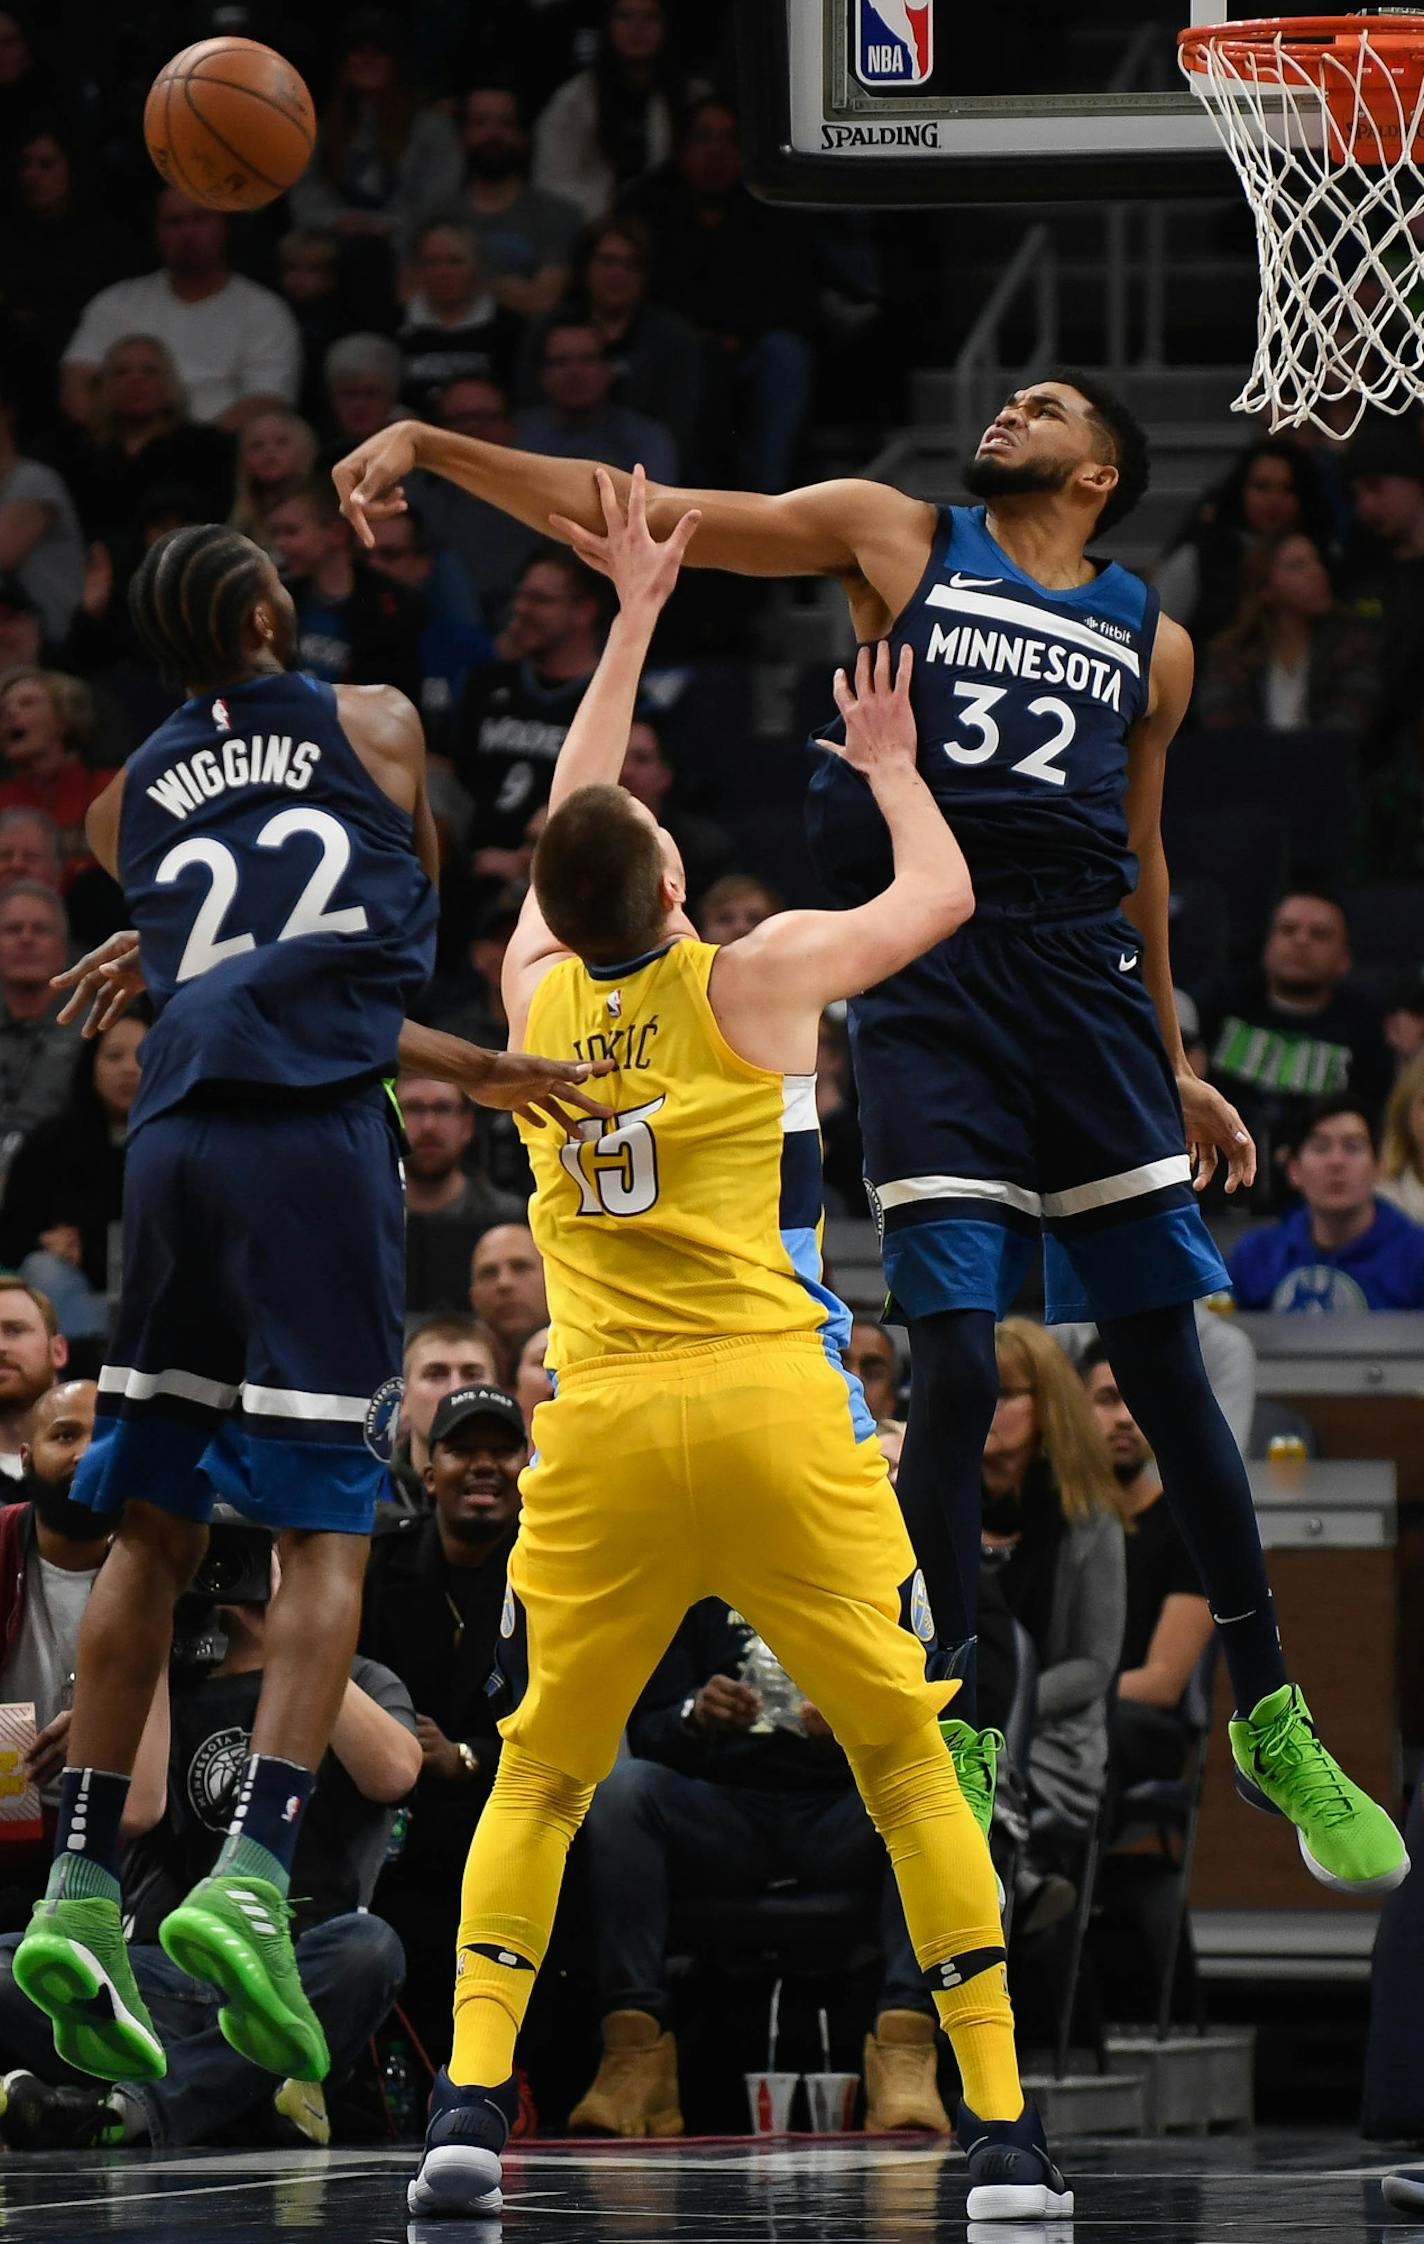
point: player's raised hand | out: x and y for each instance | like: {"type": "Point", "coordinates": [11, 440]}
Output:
{"type": "Point", "coordinates": [520, 1083]}
{"type": "Point", "coordinates": [368, 481]}
{"type": "Point", "coordinates": [879, 722]}
{"type": "Point", "coordinates": [642, 568]}
{"type": "Point", "coordinates": [1214, 1127]}
{"type": "Point", "coordinates": [106, 980]}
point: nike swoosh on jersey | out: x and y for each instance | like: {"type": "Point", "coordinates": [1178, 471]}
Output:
{"type": "Point", "coordinates": [967, 584]}
{"type": "Point", "coordinates": [1127, 960]}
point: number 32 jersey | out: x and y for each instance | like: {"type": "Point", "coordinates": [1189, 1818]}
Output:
{"type": "Point", "coordinates": [1024, 699]}
{"type": "Point", "coordinates": [284, 920]}
{"type": "Point", "coordinates": [696, 1214]}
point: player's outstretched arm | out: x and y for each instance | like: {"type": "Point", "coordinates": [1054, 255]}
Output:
{"type": "Point", "coordinates": [1213, 1125]}
{"type": "Point", "coordinates": [801, 960]}
{"type": "Point", "coordinates": [643, 570]}
{"type": "Point", "coordinates": [515, 1082]}
{"type": "Point", "coordinates": [846, 528]}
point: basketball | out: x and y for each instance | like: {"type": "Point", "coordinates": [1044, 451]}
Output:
{"type": "Point", "coordinates": [229, 122]}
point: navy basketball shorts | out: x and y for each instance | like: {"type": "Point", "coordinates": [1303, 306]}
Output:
{"type": "Point", "coordinates": [261, 1315]}
{"type": "Point", "coordinates": [1013, 1085]}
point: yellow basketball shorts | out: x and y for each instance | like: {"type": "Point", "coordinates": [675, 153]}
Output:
{"type": "Point", "coordinates": [728, 1469]}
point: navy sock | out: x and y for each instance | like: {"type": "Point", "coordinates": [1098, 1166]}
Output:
{"type": "Point", "coordinates": [954, 1385]}
{"type": "Point", "coordinates": [262, 1837]}
{"type": "Point", "coordinates": [1157, 1361]}
{"type": "Point", "coordinates": [86, 1842]}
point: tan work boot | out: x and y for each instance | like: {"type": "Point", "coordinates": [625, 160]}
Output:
{"type": "Point", "coordinates": [634, 2091]}
{"type": "Point", "coordinates": [901, 2088]}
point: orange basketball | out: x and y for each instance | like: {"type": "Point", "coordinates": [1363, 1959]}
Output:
{"type": "Point", "coordinates": [230, 123]}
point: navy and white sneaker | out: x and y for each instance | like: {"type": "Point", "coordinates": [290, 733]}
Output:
{"type": "Point", "coordinates": [460, 2170]}
{"type": "Point", "coordinates": [1011, 2176]}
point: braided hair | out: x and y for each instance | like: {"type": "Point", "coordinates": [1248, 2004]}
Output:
{"type": "Point", "coordinates": [191, 598]}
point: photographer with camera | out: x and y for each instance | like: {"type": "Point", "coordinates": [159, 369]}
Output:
{"type": "Point", "coordinates": [194, 1750]}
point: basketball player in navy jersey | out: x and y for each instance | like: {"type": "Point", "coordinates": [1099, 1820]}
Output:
{"type": "Point", "coordinates": [1027, 1076]}
{"type": "Point", "coordinates": [276, 849]}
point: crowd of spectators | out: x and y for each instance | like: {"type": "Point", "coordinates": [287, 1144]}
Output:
{"type": "Point", "coordinates": [558, 252]}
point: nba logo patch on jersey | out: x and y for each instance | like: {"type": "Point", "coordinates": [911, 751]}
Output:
{"type": "Point", "coordinates": [222, 722]}
{"type": "Point", "coordinates": [615, 1003]}
{"type": "Point", "coordinates": [894, 42]}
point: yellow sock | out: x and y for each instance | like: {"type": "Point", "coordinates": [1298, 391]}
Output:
{"type": "Point", "coordinates": [946, 1882]}
{"type": "Point", "coordinates": [508, 1896]}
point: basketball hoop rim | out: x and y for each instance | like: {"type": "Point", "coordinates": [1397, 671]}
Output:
{"type": "Point", "coordinates": [1300, 39]}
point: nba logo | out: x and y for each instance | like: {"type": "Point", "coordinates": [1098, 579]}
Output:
{"type": "Point", "coordinates": [894, 42]}
{"type": "Point", "coordinates": [221, 720]}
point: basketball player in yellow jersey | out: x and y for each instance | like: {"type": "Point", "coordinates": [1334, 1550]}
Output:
{"type": "Point", "coordinates": [704, 1437]}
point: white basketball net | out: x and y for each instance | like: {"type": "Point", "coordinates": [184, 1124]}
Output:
{"type": "Point", "coordinates": [1338, 201]}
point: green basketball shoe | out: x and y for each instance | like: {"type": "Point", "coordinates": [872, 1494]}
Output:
{"type": "Point", "coordinates": [975, 1754]}
{"type": "Point", "coordinates": [234, 1933]}
{"type": "Point", "coordinates": [1349, 1842]}
{"type": "Point", "coordinates": [73, 1963]}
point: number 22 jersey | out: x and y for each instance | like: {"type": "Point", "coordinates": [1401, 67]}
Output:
{"type": "Point", "coordinates": [285, 922]}
{"type": "Point", "coordinates": [1024, 699]}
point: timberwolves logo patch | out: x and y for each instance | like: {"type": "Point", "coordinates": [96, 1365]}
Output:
{"type": "Point", "coordinates": [893, 42]}
{"type": "Point", "coordinates": [921, 1618]}
{"type": "Point", "coordinates": [212, 1775]}
{"type": "Point", "coordinates": [506, 1618]}
{"type": "Point", "coordinates": [383, 1419]}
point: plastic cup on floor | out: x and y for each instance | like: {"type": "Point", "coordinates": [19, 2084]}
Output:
{"type": "Point", "coordinates": [769, 2096]}
{"type": "Point", "coordinates": [831, 2097]}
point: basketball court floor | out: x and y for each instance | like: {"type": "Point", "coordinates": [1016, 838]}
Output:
{"type": "Point", "coordinates": [833, 2191]}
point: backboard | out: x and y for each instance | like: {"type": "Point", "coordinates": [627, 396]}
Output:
{"type": "Point", "coordinates": [917, 102]}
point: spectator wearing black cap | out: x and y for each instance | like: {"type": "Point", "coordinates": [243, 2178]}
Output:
{"type": "Point", "coordinates": [449, 1204]}
{"type": "Point", "coordinates": [381, 158]}
{"type": "Point", "coordinates": [40, 539]}
{"type": "Point", "coordinates": [435, 1591]}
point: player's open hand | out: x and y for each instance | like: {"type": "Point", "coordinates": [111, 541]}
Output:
{"type": "Point", "coordinates": [1214, 1127]}
{"type": "Point", "coordinates": [369, 480]}
{"type": "Point", "coordinates": [879, 722]}
{"type": "Point", "coordinates": [642, 568]}
{"type": "Point", "coordinates": [519, 1083]}
{"type": "Point", "coordinates": [106, 980]}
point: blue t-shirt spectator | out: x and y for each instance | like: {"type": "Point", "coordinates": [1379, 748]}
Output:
{"type": "Point", "coordinates": [1283, 1267]}
{"type": "Point", "coordinates": [1344, 1248]}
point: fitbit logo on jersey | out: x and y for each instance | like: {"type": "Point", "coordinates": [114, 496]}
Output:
{"type": "Point", "coordinates": [261, 762]}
